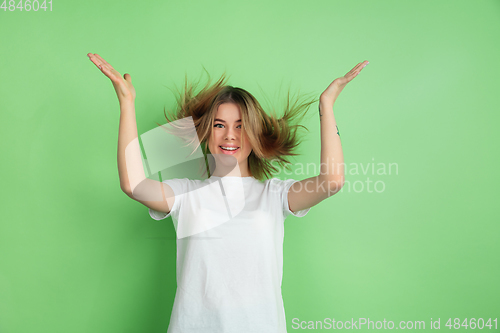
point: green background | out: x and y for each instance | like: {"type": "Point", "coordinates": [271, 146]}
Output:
{"type": "Point", "coordinates": [78, 255]}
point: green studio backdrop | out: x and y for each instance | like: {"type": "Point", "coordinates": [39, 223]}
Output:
{"type": "Point", "coordinates": [412, 236]}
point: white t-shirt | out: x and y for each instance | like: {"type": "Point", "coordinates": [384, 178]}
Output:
{"type": "Point", "coordinates": [229, 254]}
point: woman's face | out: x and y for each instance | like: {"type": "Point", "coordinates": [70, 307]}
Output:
{"type": "Point", "coordinates": [227, 132]}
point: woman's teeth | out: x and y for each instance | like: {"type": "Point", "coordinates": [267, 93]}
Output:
{"type": "Point", "coordinates": [229, 150]}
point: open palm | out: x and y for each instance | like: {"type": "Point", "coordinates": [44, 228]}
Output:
{"type": "Point", "coordinates": [332, 92]}
{"type": "Point", "coordinates": [123, 85]}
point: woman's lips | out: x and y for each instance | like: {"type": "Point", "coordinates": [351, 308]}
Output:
{"type": "Point", "coordinates": [229, 152]}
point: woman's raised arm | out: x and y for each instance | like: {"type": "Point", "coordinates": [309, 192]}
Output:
{"type": "Point", "coordinates": [311, 191]}
{"type": "Point", "coordinates": [153, 194]}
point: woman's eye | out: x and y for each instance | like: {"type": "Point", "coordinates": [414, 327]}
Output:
{"type": "Point", "coordinates": [239, 126]}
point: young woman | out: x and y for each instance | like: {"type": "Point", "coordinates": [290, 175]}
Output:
{"type": "Point", "coordinates": [230, 226]}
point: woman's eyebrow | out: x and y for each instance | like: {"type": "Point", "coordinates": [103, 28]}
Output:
{"type": "Point", "coordinates": [217, 119]}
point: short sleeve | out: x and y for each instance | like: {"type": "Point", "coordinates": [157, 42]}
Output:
{"type": "Point", "coordinates": [178, 187]}
{"type": "Point", "coordinates": [285, 187]}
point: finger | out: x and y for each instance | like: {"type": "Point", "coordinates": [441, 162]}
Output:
{"type": "Point", "coordinates": [93, 59]}
{"type": "Point", "coordinates": [127, 77]}
{"type": "Point", "coordinates": [353, 70]}
{"type": "Point", "coordinates": [96, 61]}
{"type": "Point", "coordinates": [102, 67]}
{"type": "Point", "coordinates": [363, 64]}
{"type": "Point", "coordinates": [102, 60]}
{"type": "Point", "coordinates": [360, 66]}
{"type": "Point", "coordinates": [106, 71]}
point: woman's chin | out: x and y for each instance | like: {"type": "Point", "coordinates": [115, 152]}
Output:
{"type": "Point", "coordinates": [226, 159]}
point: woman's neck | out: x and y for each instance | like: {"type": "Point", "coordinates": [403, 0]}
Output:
{"type": "Point", "coordinates": [236, 172]}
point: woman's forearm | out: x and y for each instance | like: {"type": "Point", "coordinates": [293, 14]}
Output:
{"type": "Point", "coordinates": [130, 166]}
{"type": "Point", "coordinates": [332, 157]}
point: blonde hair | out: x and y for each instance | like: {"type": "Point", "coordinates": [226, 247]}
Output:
{"type": "Point", "coordinates": [272, 138]}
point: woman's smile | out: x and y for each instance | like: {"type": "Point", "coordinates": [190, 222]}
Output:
{"type": "Point", "coordinates": [230, 150]}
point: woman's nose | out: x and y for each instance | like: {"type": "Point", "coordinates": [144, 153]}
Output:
{"type": "Point", "coordinates": [230, 133]}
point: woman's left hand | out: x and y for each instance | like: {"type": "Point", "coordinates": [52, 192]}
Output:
{"type": "Point", "coordinates": [332, 92]}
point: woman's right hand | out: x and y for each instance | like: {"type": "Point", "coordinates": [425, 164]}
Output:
{"type": "Point", "coordinates": [123, 85]}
